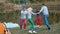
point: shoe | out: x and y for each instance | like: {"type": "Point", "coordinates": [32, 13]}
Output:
{"type": "Point", "coordinates": [34, 32]}
{"type": "Point", "coordinates": [48, 28]}
{"type": "Point", "coordinates": [40, 27]}
{"type": "Point", "coordinates": [37, 26]}
{"type": "Point", "coordinates": [30, 31]}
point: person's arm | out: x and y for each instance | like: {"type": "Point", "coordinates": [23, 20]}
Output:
{"type": "Point", "coordinates": [40, 10]}
{"type": "Point", "coordinates": [34, 13]}
{"type": "Point", "coordinates": [21, 12]}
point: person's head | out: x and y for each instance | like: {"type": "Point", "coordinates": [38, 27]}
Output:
{"type": "Point", "coordinates": [29, 9]}
{"type": "Point", "coordinates": [23, 8]}
{"type": "Point", "coordinates": [43, 4]}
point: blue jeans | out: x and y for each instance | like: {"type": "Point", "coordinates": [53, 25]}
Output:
{"type": "Point", "coordinates": [46, 21]}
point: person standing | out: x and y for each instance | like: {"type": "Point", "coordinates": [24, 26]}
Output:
{"type": "Point", "coordinates": [30, 20]}
{"type": "Point", "coordinates": [23, 17]}
{"type": "Point", "coordinates": [44, 10]}
{"type": "Point", "coordinates": [38, 20]}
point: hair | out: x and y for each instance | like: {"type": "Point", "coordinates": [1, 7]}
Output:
{"type": "Point", "coordinates": [43, 4]}
{"type": "Point", "coordinates": [23, 6]}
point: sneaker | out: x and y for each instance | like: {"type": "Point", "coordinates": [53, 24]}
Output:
{"type": "Point", "coordinates": [34, 32]}
{"type": "Point", "coordinates": [37, 26]}
{"type": "Point", "coordinates": [30, 31]}
{"type": "Point", "coordinates": [40, 27]}
{"type": "Point", "coordinates": [48, 28]}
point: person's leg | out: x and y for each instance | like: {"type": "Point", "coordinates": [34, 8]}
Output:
{"type": "Point", "coordinates": [39, 22]}
{"type": "Point", "coordinates": [21, 21]}
{"type": "Point", "coordinates": [46, 21]}
{"type": "Point", "coordinates": [24, 23]}
{"type": "Point", "coordinates": [31, 24]}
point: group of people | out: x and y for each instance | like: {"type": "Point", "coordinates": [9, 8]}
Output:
{"type": "Point", "coordinates": [26, 13]}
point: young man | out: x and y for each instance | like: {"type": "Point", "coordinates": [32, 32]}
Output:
{"type": "Point", "coordinates": [23, 17]}
{"type": "Point", "coordinates": [44, 9]}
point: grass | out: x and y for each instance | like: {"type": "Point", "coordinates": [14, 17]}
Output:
{"type": "Point", "coordinates": [55, 29]}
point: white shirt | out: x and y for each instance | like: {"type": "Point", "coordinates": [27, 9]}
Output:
{"type": "Point", "coordinates": [23, 14]}
{"type": "Point", "coordinates": [30, 15]}
{"type": "Point", "coordinates": [30, 12]}
{"type": "Point", "coordinates": [44, 9]}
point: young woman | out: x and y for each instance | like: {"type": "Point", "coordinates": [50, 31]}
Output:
{"type": "Point", "coordinates": [38, 23]}
{"type": "Point", "coordinates": [23, 17]}
{"type": "Point", "coordinates": [30, 20]}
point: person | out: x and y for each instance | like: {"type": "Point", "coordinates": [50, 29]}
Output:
{"type": "Point", "coordinates": [38, 23]}
{"type": "Point", "coordinates": [30, 20]}
{"type": "Point", "coordinates": [44, 10]}
{"type": "Point", "coordinates": [8, 32]}
{"type": "Point", "coordinates": [23, 17]}
{"type": "Point", "coordinates": [3, 29]}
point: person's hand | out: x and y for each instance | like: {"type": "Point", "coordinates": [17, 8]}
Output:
{"type": "Point", "coordinates": [35, 14]}
{"type": "Point", "coordinates": [8, 32]}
